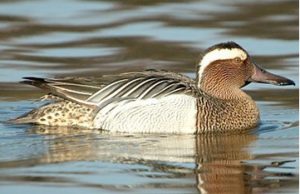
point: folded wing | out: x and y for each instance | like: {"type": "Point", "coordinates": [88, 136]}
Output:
{"type": "Point", "coordinates": [106, 89]}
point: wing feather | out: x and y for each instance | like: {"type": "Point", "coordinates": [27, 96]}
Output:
{"type": "Point", "coordinates": [101, 91]}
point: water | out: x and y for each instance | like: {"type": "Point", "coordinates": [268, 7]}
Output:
{"type": "Point", "coordinates": [88, 38]}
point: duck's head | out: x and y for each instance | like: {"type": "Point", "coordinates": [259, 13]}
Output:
{"type": "Point", "coordinates": [226, 67]}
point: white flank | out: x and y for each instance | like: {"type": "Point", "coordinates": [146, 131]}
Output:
{"type": "Point", "coordinates": [220, 54]}
{"type": "Point", "coordinates": [171, 114]}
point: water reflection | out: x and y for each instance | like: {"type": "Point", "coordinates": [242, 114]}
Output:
{"type": "Point", "coordinates": [220, 166]}
{"type": "Point", "coordinates": [210, 164]}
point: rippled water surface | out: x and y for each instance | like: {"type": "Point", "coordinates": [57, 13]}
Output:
{"type": "Point", "coordinates": [55, 38]}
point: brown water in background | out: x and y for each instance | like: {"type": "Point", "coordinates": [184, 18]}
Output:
{"type": "Point", "coordinates": [52, 38]}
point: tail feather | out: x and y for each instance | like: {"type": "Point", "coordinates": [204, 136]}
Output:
{"type": "Point", "coordinates": [74, 92]}
{"type": "Point", "coordinates": [37, 82]}
{"type": "Point", "coordinates": [24, 119]}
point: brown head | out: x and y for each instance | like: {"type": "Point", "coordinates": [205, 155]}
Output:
{"type": "Point", "coordinates": [227, 67]}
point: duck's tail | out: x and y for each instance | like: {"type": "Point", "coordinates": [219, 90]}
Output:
{"type": "Point", "coordinates": [25, 118]}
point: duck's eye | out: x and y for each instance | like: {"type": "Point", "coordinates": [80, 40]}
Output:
{"type": "Point", "coordinates": [238, 60]}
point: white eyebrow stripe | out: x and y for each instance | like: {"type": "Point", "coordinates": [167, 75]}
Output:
{"type": "Point", "coordinates": [220, 54]}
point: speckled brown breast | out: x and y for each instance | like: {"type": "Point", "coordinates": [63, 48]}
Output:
{"type": "Point", "coordinates": [216, 115]}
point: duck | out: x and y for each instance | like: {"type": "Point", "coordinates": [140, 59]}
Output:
{"type": "Point", "coordinates": [158, 101]}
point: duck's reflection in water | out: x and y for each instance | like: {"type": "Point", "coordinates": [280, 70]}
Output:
{"type": "Point", "coordinates": [220, 167]}
{"type": "Point", "coordinates": [212, 163]}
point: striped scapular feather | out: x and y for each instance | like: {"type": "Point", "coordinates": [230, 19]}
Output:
{"type": "Point", "coordinates": [100, 91]}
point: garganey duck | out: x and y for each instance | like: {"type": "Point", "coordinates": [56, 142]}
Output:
{"type": "Point", "coordinates": [159, 101]}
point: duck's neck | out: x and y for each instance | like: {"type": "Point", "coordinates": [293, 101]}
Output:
{"type": "Point", "coordinates": [222, 90]}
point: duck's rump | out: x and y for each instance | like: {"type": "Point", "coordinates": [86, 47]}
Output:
{"type": "Point", "coordinates": [59, 113]}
